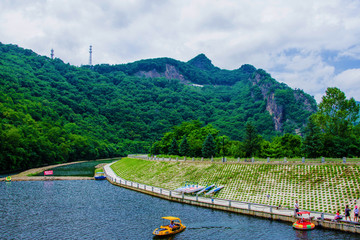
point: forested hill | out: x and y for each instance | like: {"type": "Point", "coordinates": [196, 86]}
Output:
{"type": "Point", "coordinates": [54, 112]}
{"type": "Point", "coordinates": [288, 108]}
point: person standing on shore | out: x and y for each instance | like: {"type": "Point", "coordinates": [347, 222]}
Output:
{"type": "Point", "coordinates": [296, 208]}
{"type": "Point", "coordinates": [347, 212]}
{"type": "Point", "coordinates": [356, 214]}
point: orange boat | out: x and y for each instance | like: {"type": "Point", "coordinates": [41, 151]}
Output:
{"type": "Point", "coordinates": [166, 230]}
{"type": "Point", "coordinates": [304, 223]}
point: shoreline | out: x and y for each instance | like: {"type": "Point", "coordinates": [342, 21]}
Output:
{"type": "Point", "coordinates": [318, 188]}
{"type": "Point", "coordinates": [247, 208]}
{"type": "Point", "coordinates": [23, 176]}
{"type": "Point", "coordinates": [40, 178]}
{"type": "Point", "coordinates": [257, 210]}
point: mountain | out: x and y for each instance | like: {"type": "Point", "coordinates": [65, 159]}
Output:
{"type": "Point", "coordinates": [54, 112]}
{"type": "Point", "coordinates": [288, 108]}
{"type": "Point", "coordinates": [202, 62]}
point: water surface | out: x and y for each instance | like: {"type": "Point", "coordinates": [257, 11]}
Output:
{"type": "Point", "coordinates": [99, 210]}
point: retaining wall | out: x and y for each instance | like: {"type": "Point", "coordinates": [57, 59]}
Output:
{"type": "Point", "coordinates": [258, 210]}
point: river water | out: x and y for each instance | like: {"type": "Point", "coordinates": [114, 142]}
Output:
{"type": "Point", "coordinates": [99, 210]}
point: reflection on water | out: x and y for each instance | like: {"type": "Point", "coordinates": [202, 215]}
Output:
{"type": "Point", "coordinates": [301, 234]}
{"type": "Point", "coordinates": [166, 238]}
{"type": "Point", "coordinates": [97, 209]}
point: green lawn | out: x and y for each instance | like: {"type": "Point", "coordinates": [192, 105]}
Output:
{"type": "Point", "coordinates": [318, 187]}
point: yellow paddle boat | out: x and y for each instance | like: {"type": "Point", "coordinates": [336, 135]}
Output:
{"type": "Point", "coordinates": [174, 227]}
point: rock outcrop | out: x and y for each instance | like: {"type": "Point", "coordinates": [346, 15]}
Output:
{"type": "Point", "coordinates": [170, 73]}
{"type": "Point", "coordinates": [277, 110]}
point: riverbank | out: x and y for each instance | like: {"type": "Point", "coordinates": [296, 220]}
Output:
{"type": "Point", "coordinates": [80, 170]}
{"type": "Point", "coordinates": [317, 187]}
{"type": "Point", "coordinates": [28, 175]}
{"type": "Point", "coordinates": [258, 210]}
{"type": "Point", "coordinates": [40, 178]}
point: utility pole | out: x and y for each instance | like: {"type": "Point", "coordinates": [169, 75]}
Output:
{"type": "Point", "coordinates": [90, 58]}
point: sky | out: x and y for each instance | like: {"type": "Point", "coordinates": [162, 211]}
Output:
{"type": "Point", "coordinates": [307, 44]}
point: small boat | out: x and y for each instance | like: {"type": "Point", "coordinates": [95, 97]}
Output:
{"type": "Point", "coordinates": [8, 179]}
{"type": "Point", "coordinates": [206, 189]}
{"type": "Point", "coordinates": [174, 227]}
{"type": "Point", "coordinates": [100, 176]}
{"type": "Point", "coordinates": [215, 190]}
{"type": "Point", "coordinates": [194, 189]}
{"type": "Point", "coordinates": [189, 188]}
{"type": "Point", "coordinates": [304, 223]}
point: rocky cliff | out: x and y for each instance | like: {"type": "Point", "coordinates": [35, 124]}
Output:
{"type": "Point", "coordinates": [170, 73]}
{"type": "Point", "coordinates": [277, 107]}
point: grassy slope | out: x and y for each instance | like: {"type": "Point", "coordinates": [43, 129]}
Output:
{"type": "Point", "coordinates": [317, 187]}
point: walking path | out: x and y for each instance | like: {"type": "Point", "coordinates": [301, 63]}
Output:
{"type": "Point", "coordinates": [260, 210]}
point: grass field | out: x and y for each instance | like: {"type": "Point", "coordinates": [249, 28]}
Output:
{"type": "Point", "coordinates": [317, 187]}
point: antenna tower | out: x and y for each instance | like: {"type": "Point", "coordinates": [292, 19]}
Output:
{"type": "Point", "coordinates": [90, 58]}
{"type": "Point", "coordinates": [52, 54]}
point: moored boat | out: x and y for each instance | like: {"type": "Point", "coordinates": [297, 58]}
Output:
{"type": "Point", "coordinates": [215, 190]}
{"type": "Point", "coordinates": [189, 188]}
{"type": "Point", "coordinates": [205, 189]}
{"type": "Point", "coordinates": [8, 179]}
{"type": "Point", "coordinates": [100, 176]}
{"type": "Point", "coordinates": [194, 189]}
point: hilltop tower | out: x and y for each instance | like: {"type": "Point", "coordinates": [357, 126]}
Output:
{"type": "Point", "coordinates": [90, 58]}
{"type": "Point", "coordinates": [52, 54]}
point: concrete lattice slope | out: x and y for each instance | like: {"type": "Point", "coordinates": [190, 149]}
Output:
{"type": "Point", "coordinates": [323, 188]}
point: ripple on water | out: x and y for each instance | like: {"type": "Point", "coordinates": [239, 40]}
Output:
{"type": "Point", "coordinates": [97, 209]}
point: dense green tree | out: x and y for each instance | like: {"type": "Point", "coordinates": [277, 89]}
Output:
{"type": "Point", "coordinates": [185, 128]}
{"type": "Point", "coordinates": [235, 149]}
{"type": "Point", "coordinates": [337, 115]}
{"type": "Point", "coordinates": [272, 149]}
{"type": "Point", "coordinates": [313, 143]}
{"type": "Point", "coordinates": [223, 145]}
{"type": "Point", "coordinates": [174, 148]}
{"type": "Point", "coordinates": [209, 148]}
{"type": "Point", "coordinates": [184, 147]}
{"type": "Point", "coordinates": [252, 140]}
{"type": "Point", "coordinates": [291, 145]}
{"type": "Point", "coordinates": [336, 118]}
{"type": "Point", "coordinates": [197, 137]}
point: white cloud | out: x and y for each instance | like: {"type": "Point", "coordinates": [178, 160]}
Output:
{"type": "Point", "coordinates": [229, 32]}
{"type": "Point", "coordinates": [349, 82]}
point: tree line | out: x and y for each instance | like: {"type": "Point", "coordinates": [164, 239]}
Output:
{"type": "Point", "coordinates": [331, 132]}
{"type": "Point", "coordinates": [53, 112]}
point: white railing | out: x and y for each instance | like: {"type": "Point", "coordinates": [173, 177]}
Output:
{"type": "Point", "coordinates": [211, 200]}
{"type": "Point", "coordinates": [250, 160]}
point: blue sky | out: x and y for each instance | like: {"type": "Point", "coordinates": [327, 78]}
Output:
{"type": "Point", "coordinates": [341, 63]}
{"type": "Point", "coordinates": [306, 44]}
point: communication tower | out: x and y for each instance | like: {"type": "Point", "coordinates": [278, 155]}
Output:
{"type": "Point", "coordinates": [52, 54]}
{"type": "Point", "coordinates": [90, 58]}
